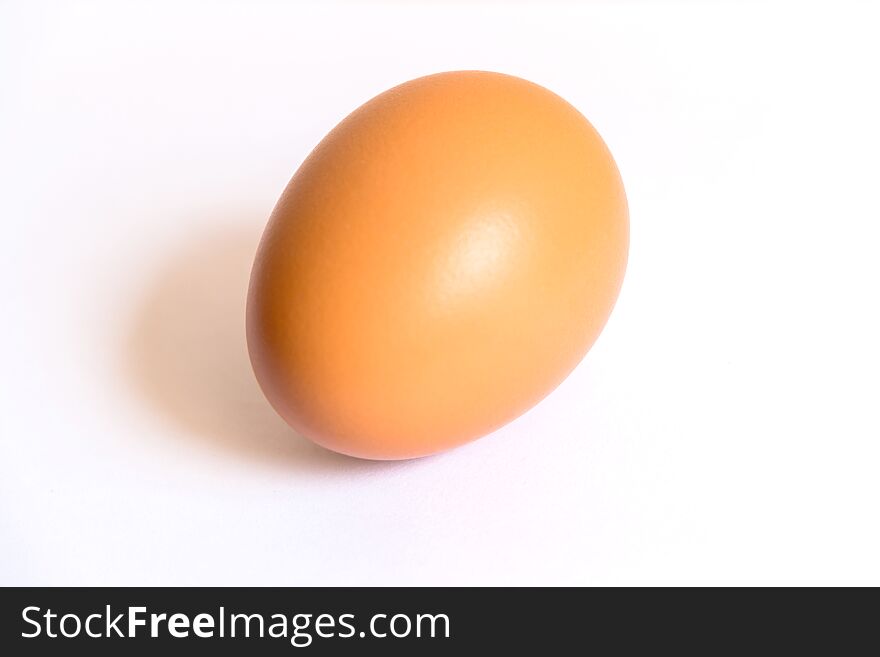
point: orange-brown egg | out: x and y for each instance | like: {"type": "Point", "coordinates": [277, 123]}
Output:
{"type": "Point", "coordinates": [438, 264]}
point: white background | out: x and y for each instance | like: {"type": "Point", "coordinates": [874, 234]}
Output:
{"type": "Point", "coordinates": [724, 429]}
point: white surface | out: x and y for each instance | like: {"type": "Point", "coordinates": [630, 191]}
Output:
{"type": "Point", "coordinates": [724, 429]}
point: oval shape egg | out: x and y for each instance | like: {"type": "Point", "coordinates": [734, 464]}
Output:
{"type": "Point", "coordinates": [438, 264]}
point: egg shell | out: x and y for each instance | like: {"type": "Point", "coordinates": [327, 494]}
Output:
{"type": "Point", "coordinates": [439, 263]}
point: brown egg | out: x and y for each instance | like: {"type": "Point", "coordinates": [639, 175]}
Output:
{"type": "Point", "coordinates": [439, 263]}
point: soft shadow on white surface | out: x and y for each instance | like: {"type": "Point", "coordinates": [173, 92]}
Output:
{"type": "Point", "coordinates": [186, 355]}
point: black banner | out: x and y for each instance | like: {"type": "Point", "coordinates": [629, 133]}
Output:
{"type": "Point", "coordinates": [254, 621]}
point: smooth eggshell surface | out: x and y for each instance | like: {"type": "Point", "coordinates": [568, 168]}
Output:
{"type": "Point", "coordinates": [438, 264]}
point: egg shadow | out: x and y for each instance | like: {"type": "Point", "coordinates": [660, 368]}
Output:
{"type": "Point", "coordinates": [186, 355]}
